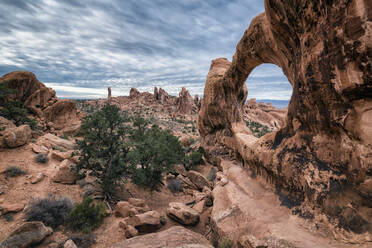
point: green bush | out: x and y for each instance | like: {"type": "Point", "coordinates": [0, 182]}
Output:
{"type": "Point", "coordinates": [52, 211]}
{"type": "Point", "coordinates": [14, 110]}
{"type": "Point", "coordinates": [17, 112]}
{"type": "Point", "coordinates": [103, 148]}
{"type": "Point", "coordinates": [153, 152]}
{"type": "Point", "coordinates": [212, 174]}
{"type": "Point", "coordinates": [86, 216]}
{"type": "Point", "coordinates": [14, 171]}
{"type": "Point", "coordinates": [194, 158]}
{"type": "Point", "coordinates": [42, 158]}
{"type": "Point", "coordinates": [258, 129]}
{"type": "Point", "coordinates": [225, 243]}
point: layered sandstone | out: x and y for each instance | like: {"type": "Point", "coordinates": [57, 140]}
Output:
{"type": "Point", "coordinates": [322, 155]}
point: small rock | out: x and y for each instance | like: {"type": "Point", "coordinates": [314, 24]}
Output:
{"type": "Point", "coordinates": [39, 177]}
{"type": "Point", "coordinates": [69, 244]}
{"type": "Point", "coordinates": [131, 232]}
{"type": "Point", "coordinates": [123, 225]}
{"type": "Point", "coordinates": [64, 175]}
{"type": "Point", "coordinates": [224, 181]}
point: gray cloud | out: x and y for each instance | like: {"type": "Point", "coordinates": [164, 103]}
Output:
{"type": "Point", "coordinates": [82, 47]}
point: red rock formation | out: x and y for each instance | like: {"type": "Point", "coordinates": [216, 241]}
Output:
{"type": "Point", "coordinates": [40, 100]}
{"type": "Point", "coordinates": [322, 156]}
{"type": "Point", "coordinates": [184, 102]}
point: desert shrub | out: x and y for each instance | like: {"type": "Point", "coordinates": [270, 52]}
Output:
{"type": "Point", "coordinates": [87, 215]}
{"type": "Point", "coordinates": [194, 158]}
{"type": "Point", "coordinates": [175, 185]}
{"type": "Point", "coordinates": [8, 217]}
{"type": "Point", "coordinates": [42, 158]}
{"type": "Point", "coordinates": [153, 152]}
{"type": "Point", "coordinates": [212, 174]}
{"type": "Point", "coordinates": [14, 171]}
{"type": "Point", "coordinates": [258, 129]}
{"type": "Point", "coordinates": [225, 243]}
{"type": "Point", "coordinates": [52, 211]}
{"type": "Point", "coordinates": [103, 149]}
{"type": "Point", "coordinates": [17, 112]}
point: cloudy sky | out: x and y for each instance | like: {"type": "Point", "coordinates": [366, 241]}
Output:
{"type": "Point", "coordinates": [81, 47]}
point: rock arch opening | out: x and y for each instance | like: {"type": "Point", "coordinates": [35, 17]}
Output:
{"type": "Point", "coordinates": [268, 84]}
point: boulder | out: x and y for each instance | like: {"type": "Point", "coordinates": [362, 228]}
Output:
{"type": "Point", "coordinates": [64, 174]}
{"type": "Point", "coordinates": [183, 214]}
{"type": "Point", "coordinates": [38, 178]}
{"type": "Point", "coordinates": [52, 141]}
{"type": "Point", "coordinates": [174, 237]}
{"type": "Point", "coordinates": [145, 222]}
{"type": "Point", "coordinates": [30, 233]}
{"type": "Point", "coordinates": [122, 209]}
{"type": "Point", "coordinates": [198, 179]}
{"type": "Point", "coordinates": [17, 136]}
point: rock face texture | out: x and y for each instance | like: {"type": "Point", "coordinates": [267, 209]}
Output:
{"type": "Point", "coordinates": [40, 100]}
{"type": "Point", "coordinates": [322, 155]}
{"type": "Point", "coordinates": [265, 114]}
{"type": "Point", "coordinates": [174, 237]}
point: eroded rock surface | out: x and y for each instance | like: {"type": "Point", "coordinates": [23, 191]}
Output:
{"type": "Point", "coordinates": [174, 237]}
{"type": "Point", "coordinates": [322, 155]}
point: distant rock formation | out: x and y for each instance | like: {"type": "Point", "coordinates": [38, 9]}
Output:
{"type": "Point", "coordinates": [184, 102]}
{"type": "Point", "coordinates": [134, 93]}
{"type": "Point", "coordinates": [265, 114]}
{"type": "Point", "coordinates": [109, 95]}
{"type": "Point", "coordinates": [41, 101]}
{"type": "Point", "coordinates": [161, 96]}
{"type": "Point", "coordinates": [322, 155]}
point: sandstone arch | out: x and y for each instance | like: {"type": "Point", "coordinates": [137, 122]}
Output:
{"type": "Point", "coordinates": [323, 154]}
